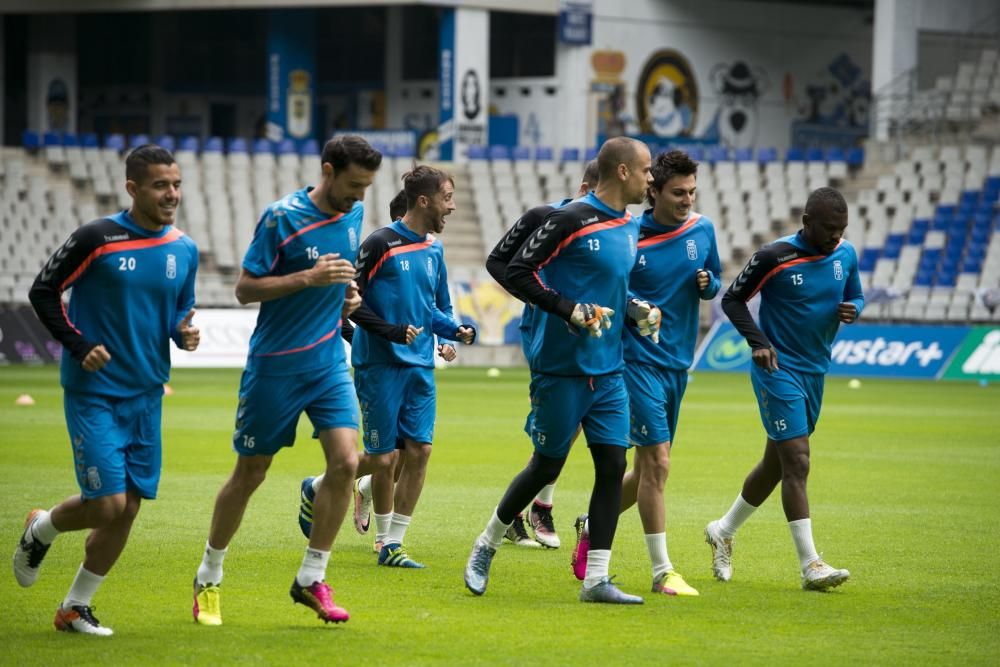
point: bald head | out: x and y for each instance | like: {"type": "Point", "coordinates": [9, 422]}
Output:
{"type": "Point", "coordinates": [614, 152]}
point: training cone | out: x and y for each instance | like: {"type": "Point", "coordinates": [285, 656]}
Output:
{"type": "Point", "coordinates": [24, 399]}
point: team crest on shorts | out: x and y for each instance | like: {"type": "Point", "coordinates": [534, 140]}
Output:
{"type": "Point", "coordinates": [352, 236]}
{"type": "Point", "coordinates": [692, 249]}
{"type": "Point", "coordinates": [171, 267]}
{"type": "Point", "coordinates": [838, 270]}
{"type": "Point", "coordinates": [93, 478]}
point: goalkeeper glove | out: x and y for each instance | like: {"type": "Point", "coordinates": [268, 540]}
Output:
{"type": "Point", "coordinates": [592, 317]}
{"type": "Point", "coordinates": [647, 318]}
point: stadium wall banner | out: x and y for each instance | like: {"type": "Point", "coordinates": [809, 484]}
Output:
{"type": "Point", "coordinates": [225, 339]}
{"type": "Point", "coordinates": [464, 76]}
{"type": "Point", "coordinates": [23, 339]}
{"type": "Point", "coordinates": [860, 350]}
{"type": "Point", "coordinates": [978, 358]}
{"type": "Point", "coordinates": [291, 75]}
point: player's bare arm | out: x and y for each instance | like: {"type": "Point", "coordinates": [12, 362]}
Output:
{"type": "Point", "coordinates": [329, 269]}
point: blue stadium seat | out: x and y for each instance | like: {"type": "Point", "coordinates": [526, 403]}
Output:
{"type": "Point", "coordinates": [286, 147]}
{"type": "Point", "coordinates": [263, 146]}
{"type": "Point", "coordinates": [69, 139]}
{"type": "Point", "coordinates": [213, 145]}
{"type": "Point", "coordinates": [856, 157]}
{"type": "Point", "coordinates": [969, 197]}
{"type": "Point", "coordinates": [743, 155]}
{"type": "Point", "coordinates": [696, 153]}
{"type": "Point", "coordinates": [921, 224]}
{"type": "Point", "coordinates": [976, 249]}
{"type": "Point", "coordinates": [521, 154]}
{"type": "Point", "coordinates": [477, 152]}
{"type": "Point", "coordinates": [115, 141]}
{"type": "Point", "coordinates": [570, 155]}
{"type": "Point", "coordinates": [924, 278]}
{"type": "Point", "coordinates": [947, 277]}
{"type": "Point", "coordinates": [945, 209]}
{"type": "Point", "coordinates": [190, 143]}
{"type": "Point", "coordinates": [309, 147]}
{"type": "Point", "coordinates": [544, 153]}
{"type": "Point", "coordinates": [836, 154]}
{"type": "Point", "coordinates": [795, 155]}
{"type": "Point", "coordinates": [815, 155]}
{"type": "Point", "coordinates": [30, 140]}
{"type": "Point", "coordinates": [590, 154]}
{"type": "Point", "coordinates": [499, 152]}
{"type": "Point", "coordinates": [89, 140]}
{"type": "Point", "coordinates": [237, 145]}
{"type": "Point", "coordinates": [917, 235]}
{"type": "Point", "coordinates": [137, 140]}
{"type": "Point", "coordinates": [868, 258]}
{"type": "Point", "coordinates": [166, 141]}
{"type": "Point", "coordinates": [765, 155]}
{"type": "Point", "coordinates": [406, 151]}
{"type": "Point", "coordinates": [972, 265]}
{"type": "Point", "coordinates": [718, 154]}
{"type": "Point", "coordinates": [893, 246]}
{"type": "Point", "coordinates": [52, 139]}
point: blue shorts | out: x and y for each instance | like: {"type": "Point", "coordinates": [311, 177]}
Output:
{"type": "Point", "coordinates": [397, 402]}
{"type": "Point", "coordinates": [559, 405]}
{"type": "Point", "coordinates": [789, 401]}
{"type": "Point", "coordinates": [270, 405]}
{"type": "Point", "coordinates": [116, 442]}
{"type": "Point", "coordinates": [654, 396]}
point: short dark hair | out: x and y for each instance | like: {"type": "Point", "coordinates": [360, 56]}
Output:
{"type": "Point", "coordinates": [668, 164]}
{"type": "Point", "coordinates": [826, 199]}
{"type": "Point", "coordinates": [616, 151]}
{"type": "Point", "coordinates": [138, 161]}
{"type": "Point", "coordinates": [343, 151]}
{"type": "Point", "coordinates": [591, 174]}
{"type": "Point", "coordinates": [397, 207]}
{"type": "Point", "coordinates": [423, 180]}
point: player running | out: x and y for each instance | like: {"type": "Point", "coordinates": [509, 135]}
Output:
{"type": "Point", "coordinates": [300, 268]}
{"type": "Point", "coordinates": [132, 276]}
{"type": "Point", "coordinates": [540, 511]}
{"type": "Point", "coordinates": [809, 285]}
{"type": "Point", "coordinates": [677, 267]}
{"type": "Point", "coordinates": [575, 268]}
{"type": "Point", "coordinates": [403, 277]}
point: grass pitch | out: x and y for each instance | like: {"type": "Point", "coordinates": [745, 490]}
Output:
{"type": "Point", "coordinates": [905, 492]}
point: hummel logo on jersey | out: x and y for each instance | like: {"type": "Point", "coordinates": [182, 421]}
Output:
{"type": "Point", "coordinates": [781, 260]}
{"type": "Point", "coordinates": [352, 236]}
{"type": "Point", "coordinates": [590, 220]}
{"type": "Point", "coordinates": [363, 254]}
{"type": "Point", "coordinates": [393, 244]}
{"type": "Point", "coordinates": [116, 237]}
{"type": "Point", "coordinates": [171, 267]}
{"type": "Point", "coordinates": [692, 249]}
{"type": "Point", "coordinates": [838, 270]}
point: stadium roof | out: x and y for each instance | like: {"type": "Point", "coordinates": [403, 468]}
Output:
{"type": "Point", "coordinates": [77, 6]}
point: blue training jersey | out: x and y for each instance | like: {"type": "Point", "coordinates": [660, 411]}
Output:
{"type": "Point", "coordinates": [403, 281]}
{"type": "Point", "coordinates": [665, 275]}
{"type": "Point", "coordinates": [800, 289]}
{"type": "Point", "coordinates": [300, 331]}
{"type": "Point", "coordinates": [131, 289]}
{"type": "Point", "coordinates": [583, 253]}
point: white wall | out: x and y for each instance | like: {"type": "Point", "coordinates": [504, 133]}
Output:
{"type": "Point", "coordinates": [899, 22]}
{"type": "Point", "coordinates": [787, 49]}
